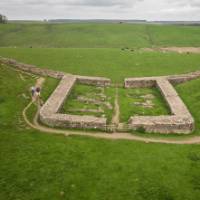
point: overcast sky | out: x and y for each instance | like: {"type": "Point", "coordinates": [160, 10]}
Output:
{"type": "Point", "coordinates": [102, 9]}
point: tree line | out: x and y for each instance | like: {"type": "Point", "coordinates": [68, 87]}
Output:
{"type": "Point", "coordinates": [3, 19]}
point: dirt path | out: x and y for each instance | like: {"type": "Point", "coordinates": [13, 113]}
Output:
{"type": "Point", "coordinates": [40, 82]}
{"type": "Point", "coordinates": [175, 49]}
{"type": "Point", "coordinates": [115, 119]}
{"type": "Point", "coordinates": [21, 77]}
{"type": "Point", "coordinates": [114, 136]}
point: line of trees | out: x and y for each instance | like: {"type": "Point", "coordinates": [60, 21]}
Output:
{"type": "Point", "coordinates": [3, 19]}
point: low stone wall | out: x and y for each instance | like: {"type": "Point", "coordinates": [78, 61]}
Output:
{"type": "Point", "coordinates": [97, 81]}
{"type": "Point", "coordinates": [177, 79]}
{"type": "Point", "coordinates": [163, 124]}
{"type": "Point", "coordinates": [180, 121]}
{"type": "Point", "coordinates": [32, 69]}
{"type": "Point", "coordinates": [176, 105]}
{"type": "Point", "coordinates": [49, 112]}
{"type": "Point", "coordinates": [140, 82]}
{"type": "Point", "coordinates": [75, 121]}
{"type": "Point", "coordinates": [151, 81]}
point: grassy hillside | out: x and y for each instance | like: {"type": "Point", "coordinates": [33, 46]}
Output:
{"type": "Point", "coordinates": [175, 35]}
{"type": "Point", "coordinates": [190, 94]}
{"type": "Point", "coordinates": [112, 63]}
{"type": "Point", "coordinates": [35, 165]}
{"type": "Point", "coordinates": [73, 35]}
{"type": "Point", "coordinates": [97, 35]}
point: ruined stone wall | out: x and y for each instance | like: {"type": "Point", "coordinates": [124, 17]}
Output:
{"type": "Point", "coordinates": [151, 81]}
{"type": "Point", "coordinates": [163, 124]}
{"type": "Point", "coordinates": [180, 121]}
{"type": "Point", "coordinates": [140, 82]}
{"type": "Point", "coordinates": [49, 113]}
{"type": "Point", "coordinates": [177, 79]}
{"type": "Point", "coordinates": [176, 105]}
{"type": "Point", "coordinates": [97, 81]}
{"type": "Point", "coordinates": [32, 69]}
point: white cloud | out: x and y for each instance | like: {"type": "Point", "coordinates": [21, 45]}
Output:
{"type": "Point", "coordinates": [81, 9]}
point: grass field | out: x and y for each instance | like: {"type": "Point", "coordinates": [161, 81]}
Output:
{"type": "Point", "coordinates": [97, 35]}
{"type": "Point", "coordinates": [41, 166]}
{"type": "Point", "coordinates": [190, 94]}
{"type": "Point", "coordinates": [112, 63]}
{"type": "Point", "coordinates": [131, 103]}
{"type": "Point", "coordinates": [102, 99]}
{"type": "Point", "coordinates": [38, 166]}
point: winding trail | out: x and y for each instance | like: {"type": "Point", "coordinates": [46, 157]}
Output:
{"type": "Point", "coordinates": [114, 136]}
{"type": "Point", "coordinates": [115, 119]}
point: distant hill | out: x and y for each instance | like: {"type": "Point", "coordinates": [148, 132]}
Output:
{"type": "Point", "coordinates": [115, 21]}
{"type": "Point", "coordinates": [98, 35]}
{"type": "Point", "coordinates": [96, 21]}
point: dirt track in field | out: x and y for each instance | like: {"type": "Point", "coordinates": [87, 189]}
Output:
{"type": "Point", "coordinates": [180, 50]}
{"type": "Point", "coordinates": [115, 119]}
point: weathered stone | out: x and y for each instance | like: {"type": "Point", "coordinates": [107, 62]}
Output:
{"type": "Point", "coordinates": [163, 124]}
{"type": "Point", "coordinates": [140, 82]}
{"type": "Point", "coordinates": [97, 81]}
{"type": "Point", "coordinates": [148, 96]}
{"type": "Point", "coordinates": [49, 112]}
{"type": "Point", "coordinates": [180, 121]}
{"type": "Point", "coordinates": [32, 69]}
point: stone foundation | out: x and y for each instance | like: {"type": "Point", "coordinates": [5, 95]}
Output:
{"type": "Point", "coordinates": [163, 124]}
{"type": "Point", "coordinates": [49, 113]}
{"type": "Point", "coordinates": [140, 82]}
{"type": "Point", "coordinates": [151, 81]}
{"type": "Point", "coordinates": [180, 121]}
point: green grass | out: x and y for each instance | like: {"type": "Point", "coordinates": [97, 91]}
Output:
{"type": "Point", "coordinates": [90, 92]}
{"type": "Point", "coordinates": [175, 35]}
{"type": "Point", "coordinates": [128, 99]}
{"type": "Point", "coordinates": [72, 35]}
{"type": "Point", "coordinates": [13, 91]}
{"type": "Point", "coordinates": [112, 63]}
{"type": "Point", "coordinates": [190, 94]}
{"type": "Point", "coordinates": [34, 165]}
{"type": "Point", "coordinates": [92, 35]}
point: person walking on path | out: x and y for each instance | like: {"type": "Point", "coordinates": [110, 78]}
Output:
{"type": "Point", "coordinates": [38, 96]}
{"type": "Point", "coordinates": [33, 89]}
{"type": "Point", "coordinates": [36, 91]}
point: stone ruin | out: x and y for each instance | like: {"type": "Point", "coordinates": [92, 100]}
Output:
{"type": "Point", "coordinates": [49, 113]}
{"type": "Point", "coordinates": [180, 121]}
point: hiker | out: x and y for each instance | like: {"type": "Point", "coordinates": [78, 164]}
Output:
{"type": "Point", "coordinates": [37, 92]}
{"type": "Point", "coordinates": [33, 89]}
{"type": "Point", "coordinates": [37, 95]}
